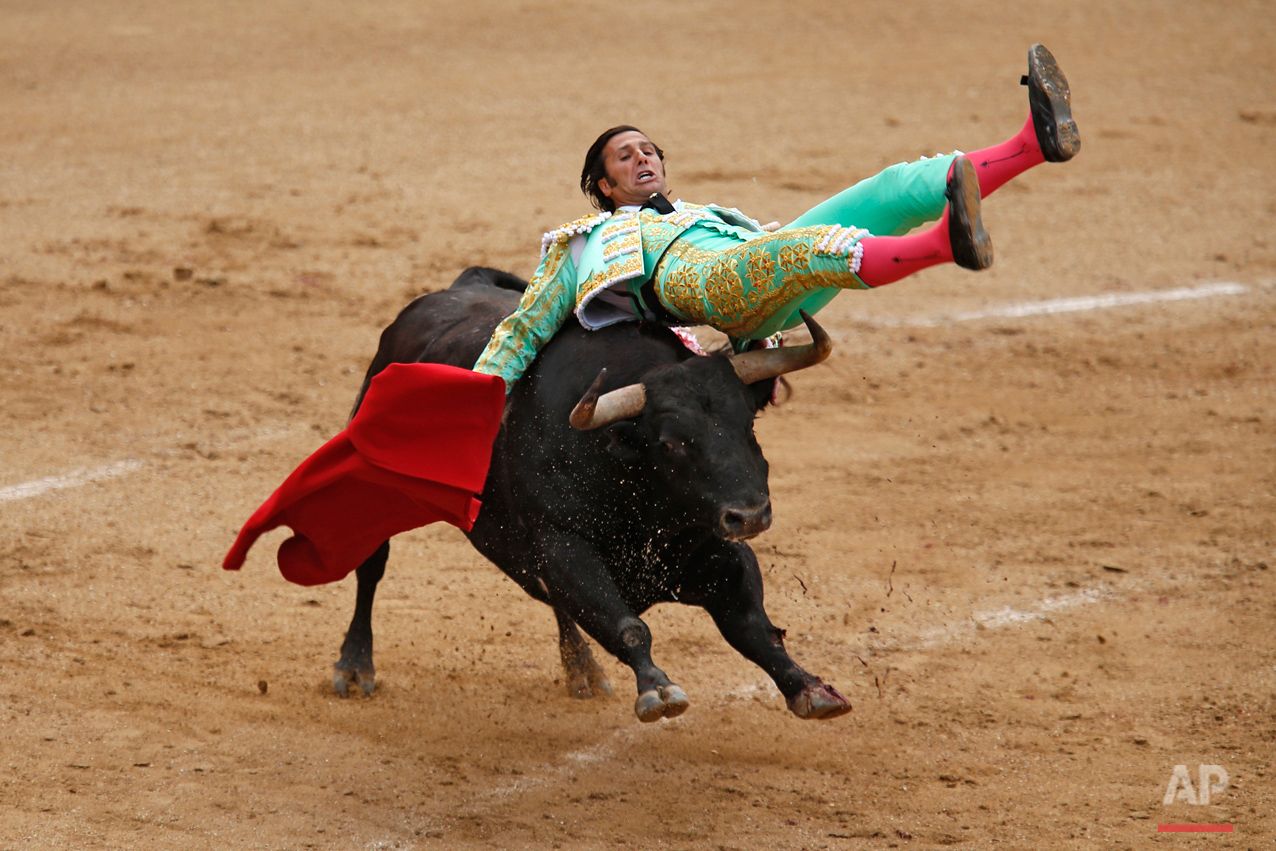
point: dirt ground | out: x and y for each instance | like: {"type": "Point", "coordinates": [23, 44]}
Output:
{"type": "Point", "coordinates": [1036, 551]}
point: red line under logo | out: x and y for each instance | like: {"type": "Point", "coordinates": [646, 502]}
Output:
{"type": "Point", "coordinates": [1193, 828]}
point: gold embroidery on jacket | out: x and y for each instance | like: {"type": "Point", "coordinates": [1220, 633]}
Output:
{"type": "Point", "coordinates": [507, 346]}
{"type": "Point", "coordinates": [564, 233]}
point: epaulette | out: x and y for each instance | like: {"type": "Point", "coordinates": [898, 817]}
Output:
{"type": "Point", "coordinates": [565, 232]}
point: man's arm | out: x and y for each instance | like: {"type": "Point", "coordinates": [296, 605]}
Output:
{"type": "Point", "coordinates": [546, 304]}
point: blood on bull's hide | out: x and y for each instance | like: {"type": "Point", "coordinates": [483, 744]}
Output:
{"type": "Point", "coordinates": [625, 474]}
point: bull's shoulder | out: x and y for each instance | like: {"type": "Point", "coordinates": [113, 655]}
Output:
{"type": "Point", "coordinates": [484, 276]}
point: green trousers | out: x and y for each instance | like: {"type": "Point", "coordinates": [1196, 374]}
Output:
{"type": "Point", "coordinates": [750, 289]}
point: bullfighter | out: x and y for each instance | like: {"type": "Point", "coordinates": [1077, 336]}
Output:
{"type": "Point", "coordinates": [684, 264]}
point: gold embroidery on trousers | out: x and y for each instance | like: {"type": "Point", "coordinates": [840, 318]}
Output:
{"type": "Point", "coordinates": [794, 257]}
{"type": "Point", "coordinates": [761, 269]}
{"type": "Point", "coordinates": [681, 292]}
{"type": "Point", "coordinates": [710, 286]}
{"type": "Point", "coordinates": [723, 288]}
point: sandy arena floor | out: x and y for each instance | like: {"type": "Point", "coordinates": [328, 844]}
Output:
{"type": "Point", "coordinates": [1036, 551]}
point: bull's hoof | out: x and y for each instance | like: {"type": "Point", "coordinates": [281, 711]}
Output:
{"type": "Point", "coordinates": [662, 702]}
{"type": "Point", "coordinates": [343, 678]}
{"type": "Point", "coordinates": [585, 688]}
{"type": "Point", "coordinates": [587, 679]}
{"type": "Point", "coordinates": [819, 701]}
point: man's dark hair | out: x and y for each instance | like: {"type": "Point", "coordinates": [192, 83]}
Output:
{"type": "Point", "coordinates": [595, 169]}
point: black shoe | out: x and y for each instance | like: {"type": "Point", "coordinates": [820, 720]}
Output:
{"type": "Point", "coordinates": [971, 245]}
{"type": "Point", "coordinates": [1051, 105]}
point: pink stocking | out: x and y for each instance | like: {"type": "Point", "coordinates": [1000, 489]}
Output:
{"type": "Point", "coordinates": [1011, 158]}
{"type": "Point", "coordinates": [887, 259]}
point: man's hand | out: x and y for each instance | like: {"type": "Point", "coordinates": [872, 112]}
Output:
{"type": "Point", "coordinates": [772, 227]}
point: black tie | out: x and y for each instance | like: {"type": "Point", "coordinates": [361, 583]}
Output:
{"type": "Point", "coordinates": [659, 203]}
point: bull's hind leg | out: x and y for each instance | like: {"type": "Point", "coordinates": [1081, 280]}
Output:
{"type": "Point", "coordinates": [732, 595]}
{"type": "Point", "coordinates": [355, 665]}
{"type": "Point", "coordinates": [585, 677]}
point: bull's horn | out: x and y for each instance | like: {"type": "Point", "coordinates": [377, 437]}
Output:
{"type": "Point", "coordinates": [595, 411]}
{"type": "Point", "coordinates": [770, 363]}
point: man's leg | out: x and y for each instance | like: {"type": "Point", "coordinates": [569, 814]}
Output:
{"type": "Point", "coordinates": [1049, 134]}
{"type": "Point", "coordinates": [958, 237]}
{"type": "Point", "coordinates": [750, 289]}
{"type": "Point", "coordinates": [907, 195]}
{"type": "Point", "coordinates": [891, 202]}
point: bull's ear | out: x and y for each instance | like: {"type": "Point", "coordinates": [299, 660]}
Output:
{"type": "Point", "coordinates": [625, 441]}
{"type": "Point", "coordinates": [768, 391]}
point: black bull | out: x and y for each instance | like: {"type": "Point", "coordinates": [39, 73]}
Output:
{"type": "Point", "coordinates": [602, 524]}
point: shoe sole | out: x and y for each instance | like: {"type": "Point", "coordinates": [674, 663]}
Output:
{"type": "Point", "coordinates": [970, 243]}
{"type": "Point", "coordinates": [1050, 100]}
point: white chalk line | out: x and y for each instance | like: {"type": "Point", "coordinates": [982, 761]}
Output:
{"type": "Point", "coordinates": [1074, 305]}
{"type": "Point", "coordinates": [561, 772]}
{"type": "Point", "coordinates": [951, 633]}
{"type": "Point", "coordinates": [1002, 616]}
{"type": "Point", "coordinates": [78, 478]}
{"type": "Point", "coordinates": [26, 490]}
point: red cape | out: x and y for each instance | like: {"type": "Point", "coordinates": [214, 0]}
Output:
{"type": "Point", "coordinates": [416, 452]}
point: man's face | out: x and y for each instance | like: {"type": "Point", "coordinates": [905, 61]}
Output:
{"type": "Point", "coordinates": [634, 171]}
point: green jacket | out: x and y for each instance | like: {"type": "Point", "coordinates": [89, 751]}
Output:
{"type": "Point", "coordinates": [597, 278]}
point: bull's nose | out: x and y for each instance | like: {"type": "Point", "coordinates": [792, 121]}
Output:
{"type": "Point", "coordinates": [741, 522]}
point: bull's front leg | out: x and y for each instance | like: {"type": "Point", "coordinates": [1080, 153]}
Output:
{"type": "Point", "coordinates": [728, 584]}
{"type": "Point", "coordinates": [355, 665]}
{"type": "Point", "coordinates": [580, 585]}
